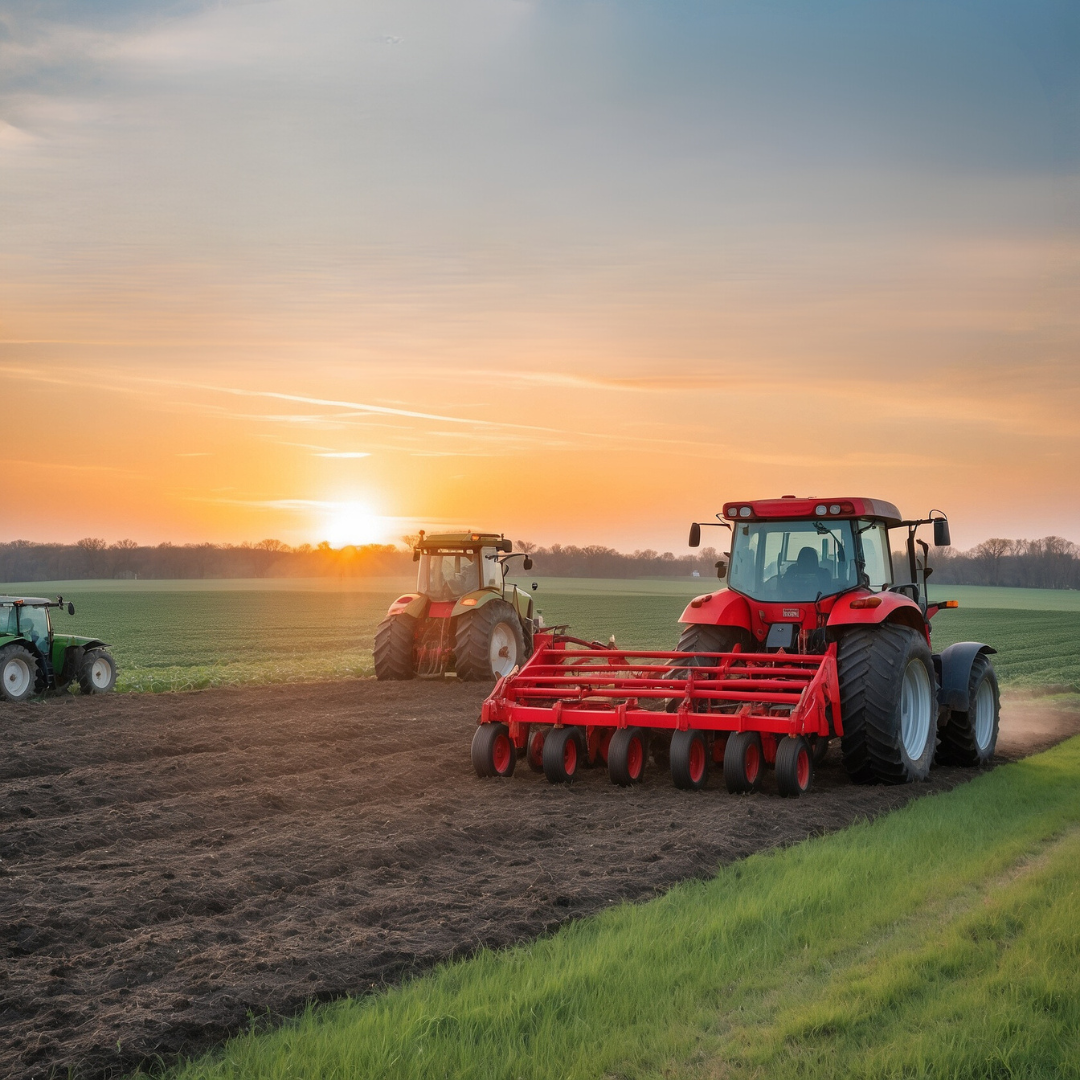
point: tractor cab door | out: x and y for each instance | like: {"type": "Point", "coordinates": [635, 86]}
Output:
{"type": "Point", "coordinates": [34, 625]}
{"type": "Point", "coordinates": [491, 571]}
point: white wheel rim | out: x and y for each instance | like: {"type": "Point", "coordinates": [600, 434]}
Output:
{"type": "Point", "coordinates": [503, 650]}
{"type": "Point", "coordinates": [16, 676]}
{"type": "Point", "coordinates": [100, 673]}
{"type": "Point", "coordinates": [984, 714]}
{"type": "Point", "coordinates": [915, 705]}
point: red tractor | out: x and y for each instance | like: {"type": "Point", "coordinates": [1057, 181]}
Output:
{"type": "Point", "coordinates": [815, 637]}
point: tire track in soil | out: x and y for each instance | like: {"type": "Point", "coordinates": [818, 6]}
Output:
{"type": "Point", "coordinates": [170, 863]}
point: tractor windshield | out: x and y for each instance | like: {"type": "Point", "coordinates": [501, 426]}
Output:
{"type": "Point", "coordinates": [448, 575]}
{"type": "Point", "coordinates": [793, 561]}
{"type": "Point", "coordinates": [34, 624]}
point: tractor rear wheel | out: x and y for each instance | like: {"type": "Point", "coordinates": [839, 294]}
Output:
{"type": "Point", "coordinates": [626, 755]}
{"type": "Point", "coordinates": [689, 760]}
{"type": "Point", "coordinates": [701, 637]}
{"type": "Point", "coordinates": [394, 647]}
{"type": "Point", "coordinates": [489, 643]}
{"type": "Point", "coordinates": [493, 752]}
{"type": "Point", "coordinates": [19, 673]}
{"type": "Point", "coordinates": [969, 738]}
{"type": "Point", "coordinates": [888, 704]}
{"type": "Point", "coordinates": [794, 766]}
{"type": "Point", "coordinates": [97, 674]}
{"type": "Point", "coordinates": [744, 762]}
{"type": "Point", "coordinates": [564, 754]}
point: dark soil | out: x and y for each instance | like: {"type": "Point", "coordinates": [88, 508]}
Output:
{"type": "Point", "coordinates": [174, 863]}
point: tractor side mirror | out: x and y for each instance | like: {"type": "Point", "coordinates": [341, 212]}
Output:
{"type": "Point", "coordinates": [526, 563]}
{"type": "Point", "coordinates": [721, 569]}
{"type": "Point", "coordinates": [695, 535]}
{"type": "Point", "coordinates": [71, 609]}
{"type": "Point", "coordinates": [535, 586]}
{"type": "Point", "coordinates": [941, 533]}
{"type": "Point", "coordinates": [416, 555]}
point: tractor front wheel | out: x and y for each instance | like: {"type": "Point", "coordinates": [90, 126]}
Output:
{"type": "Point", "coordinates": [97, 674]}
{"type": "Point", "coordinates": [969, 738]}
{"type": "Point", "coordinates": [888, 704]}
{"type": "Point", "coordinates": [19, 673]}
{"type": "Point", "coordinates": [493, 752]}
{"type": "Point", "coordinates": [489, 643]}
{"type": "Point", "coordinates": [394, 647]}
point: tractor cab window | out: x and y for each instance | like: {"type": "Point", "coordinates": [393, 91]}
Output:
{"type": "Point", "coordinates": [492, 572]}
{"type": "Point", "coordinates": [448, 575]}
{"type": "Point", "coordinates": [876, 560]}
{"type": "Point", "coordinates": [9, 621]}
{"type": "Point", "coordinates": [34, 624]}
{"type": "Point", "coordinates": [792, 560]}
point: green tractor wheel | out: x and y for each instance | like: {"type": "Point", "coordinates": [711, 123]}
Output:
{"type": "Point", "coordinates": [489, 643]}
{"type": "Point", "coordinates": [97, 673]}
{"type": "Point", "coordinates": [19, 673]}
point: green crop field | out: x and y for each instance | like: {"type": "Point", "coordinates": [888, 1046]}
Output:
{"type": "Point", "coordinates": [194, 634]}
{"type": "Point", "coordinates": [938, 941]}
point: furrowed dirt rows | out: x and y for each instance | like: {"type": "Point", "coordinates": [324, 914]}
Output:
{"type": "Point", "coordinates": [174, 863]}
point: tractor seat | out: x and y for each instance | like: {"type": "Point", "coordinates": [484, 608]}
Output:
{"type": "Point", "coordinates": [807, 570]}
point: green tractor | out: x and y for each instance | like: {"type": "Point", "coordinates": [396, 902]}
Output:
{"type": "Point", "coordinates": [463, 617]}
{"type": "Point", "coordinates": [34, 659]}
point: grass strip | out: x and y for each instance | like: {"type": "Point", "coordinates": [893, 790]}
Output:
{"type": "Point", "coordinates": [938, 941]}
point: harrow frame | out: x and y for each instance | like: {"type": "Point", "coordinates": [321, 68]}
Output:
{"type": "Point", "coordinates": [600, 688]}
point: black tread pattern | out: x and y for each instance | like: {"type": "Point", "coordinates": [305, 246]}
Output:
{"type": "Point", "coordinates": [86, 681]}
{"type": "Point", "coordinates": [956, 745]}
{"type": "Point", "coordinates": [38, 685]}
{"type": "Point", "coordinates": [871, 661]}
{"type": "Point", "coordinates": [472, 640]}
{"type": "Point", "coordinates": [394, 639]}
{"type": "Point", "coordinates": [787, 766]}
{"type": "Point", "coordinates": [702, 637]}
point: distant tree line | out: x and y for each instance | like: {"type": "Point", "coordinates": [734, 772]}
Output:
{"type": "Point", "coordinates": [1050, 563]}
{"type": "Point", "coordinates": [22, 560]}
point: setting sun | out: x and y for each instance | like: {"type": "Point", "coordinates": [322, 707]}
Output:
{"type": "Point", "coordinates": [353, 523]}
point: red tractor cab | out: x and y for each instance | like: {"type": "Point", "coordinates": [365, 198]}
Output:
{"type": "Point", "coordinates": [816, 636]}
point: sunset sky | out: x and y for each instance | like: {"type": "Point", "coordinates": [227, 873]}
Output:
{"type": "Point", "coordinates": [576, 271]}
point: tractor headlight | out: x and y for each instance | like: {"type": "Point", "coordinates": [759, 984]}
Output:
{"type": "Point", "coordinates": [834, 509]}
{"type": "Point", "coordinates": [745, 511]}
{"type": "Point", "coordinates": [821, 509]}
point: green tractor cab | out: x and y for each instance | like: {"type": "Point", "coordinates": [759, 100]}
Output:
{"type": "Point", "coordinates": [35, 659]}
{"type": "Point", "coordinates": [463, 617]}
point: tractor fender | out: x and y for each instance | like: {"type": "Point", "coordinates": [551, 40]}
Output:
{"type": "Point", "coordinates": [721, 608]}
{"type": "Point", "coordinates": [955, 673]}
{"type": "Point", "coordinates": [414, 604]}
{"type": "Point", "coordinates": [472, 601]}
{"type": "Point", "coordinates": [893, 607]}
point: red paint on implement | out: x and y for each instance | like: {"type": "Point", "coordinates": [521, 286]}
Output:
{"type": "Point", "coordinates": [697, 760]}
{"type": "Point", "coordinates": [802, 769]}
{"type": "Point", "coordinates": [752, 763]}
{"type": "Point", "coordinates": [500, 754]}
{"type": "Point", "coordinates": [635, 757]}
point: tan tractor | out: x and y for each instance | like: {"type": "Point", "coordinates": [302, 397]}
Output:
{"type": "Point", "coordinates": [463, 616]}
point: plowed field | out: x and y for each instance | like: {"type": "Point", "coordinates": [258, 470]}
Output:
{"type": "Point", "coordinates": [174, 863]}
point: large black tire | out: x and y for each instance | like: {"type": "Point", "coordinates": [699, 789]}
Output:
{"type": "Point", "coordinates": [888, 704]}
{"type": "Point", "coordinates": [395, 652]}
{"type": "Point", "coordinates": [97, 672]}
{"type": "Point", "coordinates": [969, 738]}
{"type": "Point", "coordinates": [698, 637]}
{"type": "Point", "coordinates": [489, 642]}
{"type": "Point", "coordinates": [20, 674]}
